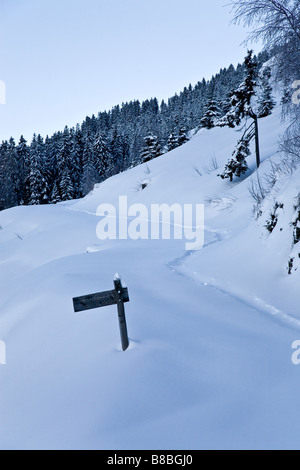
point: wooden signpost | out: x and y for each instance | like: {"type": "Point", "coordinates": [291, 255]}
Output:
{"type": "Point", "coordinates": [118, 297]}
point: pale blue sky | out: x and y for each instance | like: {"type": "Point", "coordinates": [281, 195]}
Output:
{"type": "Point", "coordinates": [65, 59]}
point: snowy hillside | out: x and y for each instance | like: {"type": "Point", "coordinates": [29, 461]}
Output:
{"type": "Point", "coordinates": [209, 363]}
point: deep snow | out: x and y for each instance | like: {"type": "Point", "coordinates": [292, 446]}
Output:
{"type": "Point", "coordinates": [209, 363]}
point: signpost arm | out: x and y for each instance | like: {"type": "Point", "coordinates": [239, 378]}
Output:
{"type": "Point", "coordinates": [121, 314]}
{"type": "Point", "coordinates": [118, 297]}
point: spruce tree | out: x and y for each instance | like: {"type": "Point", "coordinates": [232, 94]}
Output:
{"type": "Point", "coordinates": [14, 166]}
{"type": "Point", "coordinates": [52, 149]}
{"type": "Point", "coordinates": [90, 174]}
{"type": "Point", "coordinates": [266, 103]}
{"type": "Point", "coordinates": [4, 176]}
{"type": "Point", "coordinates": [172, 141]}
{"type": "Point", "coordinates": [116, 153]}
{"type": "Point", "coordinates": [241, 107]}
{"type": "Point", "coordinates": [75, 164]}
{"type": "Point", "coordinates": [24, 165]}
{"type": "Point", "coordinates": [151, 148]}
{"type": "Point", "coordinates": [9, 183]}
{"type": "Point", "coordinates": [102, 157]}
{"type": "Point", "coordinates": [238, 166]}
{"type": "Point", "coordinates": [66, 185]}
{"type": "Point", "coordinates": [78, 148]}
{"type": "Point", "coordinates": [65, 163]}
{"type": "Point", "coordinates": [55, 196]}
{"type": "Point", "coordinates": [240, 98]}
{"type": "Point", "coordinates": [211, 114]}
{"type": "Point", "coordinates": [182, 137]}
{"type": "Point", "coordinates": [36, 178]}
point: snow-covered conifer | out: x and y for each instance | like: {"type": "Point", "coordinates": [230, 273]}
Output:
{"type": "Point", "coordinates": [102, 156]}
{"type": "Point", "coordinates": [182, 137]}
{"type": "Point", "coordinates": [266, 102]}
{"type": "Point", "coordinates": [211, 114]}
{"type": "Point", "coordinates": [151, 149]}
{"type": "Point", "coordinates": [172, 141]}
{"type": "Point", "coordinates": [238, 166]}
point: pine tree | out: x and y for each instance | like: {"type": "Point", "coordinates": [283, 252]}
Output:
{"type": "Point", "coordinates": [9, 183]}
{"type": "Point", "coordinates": [65, 165]}
{"type": "Point", "coordinates": [44, 170]}
{"type": "Point", "coordinates": [36, 178]}
{"type": "Point", "coordinates": [78, 148]}
{"type": "Point", "coordinates": [23, 165]}
{"type": "Point", "coordinates": [266, 103]}
{"type": "Point", "coordinates": [211, 114]}
{"type": "Point", "coordinates": [55, 196]}
{"type": "Point", "coordinates": [136, 150]}
{"type": "Point", "coordinates": [183, 138]}
{"type": "Point", "coordinates": [4, 200]}
{"type": "Point", "coordinates": [116, 153]}
{"type": "Point", "coordinates": [172, 141]}
{"type": "Point", "coordinates": [102, 157]}
{"type": "Point", "coordinates": [52, 149]}
{"type": "Point", "coordinates": [126, 152]}
{"type": "Point", "coordinates": [66, 185]}
{"type": "Point", "coordinates": [15, 173]}
{"type": "Point", "coordinates": [241, 107]}
{"type": "Point", "coordinates": [75, 164]}
{"type": "Point", "coordinates": [238, 166]}
{"type": "Point", "coordinates": [151, 148]}
{"type": "Point", "coordinates": [240, 98]}
{"type": "Point", "coordinates": [90, 173]}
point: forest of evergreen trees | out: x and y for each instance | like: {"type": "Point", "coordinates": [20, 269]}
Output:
{"type": "Point", "coordinates": [68, 164]}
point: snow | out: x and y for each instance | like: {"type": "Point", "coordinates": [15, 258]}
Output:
{"type": "Point", "coordinates": [211, 332]}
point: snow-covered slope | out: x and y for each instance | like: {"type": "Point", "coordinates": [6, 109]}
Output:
{"type": "Point", "coordinates": [209, 363]}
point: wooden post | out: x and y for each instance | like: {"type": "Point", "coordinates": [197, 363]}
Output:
{"type": "Point", "coordinates": [121, 314]}
{"type": "Point", "coordinates": [257, 142]}
{"type": "Point", "coordinates": [118, 297]}
{"type": "Point", "coordinates": [253, 115]}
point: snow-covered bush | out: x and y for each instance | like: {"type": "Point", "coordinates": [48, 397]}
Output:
{"type": "Point", "coordinates": [272, 222]}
